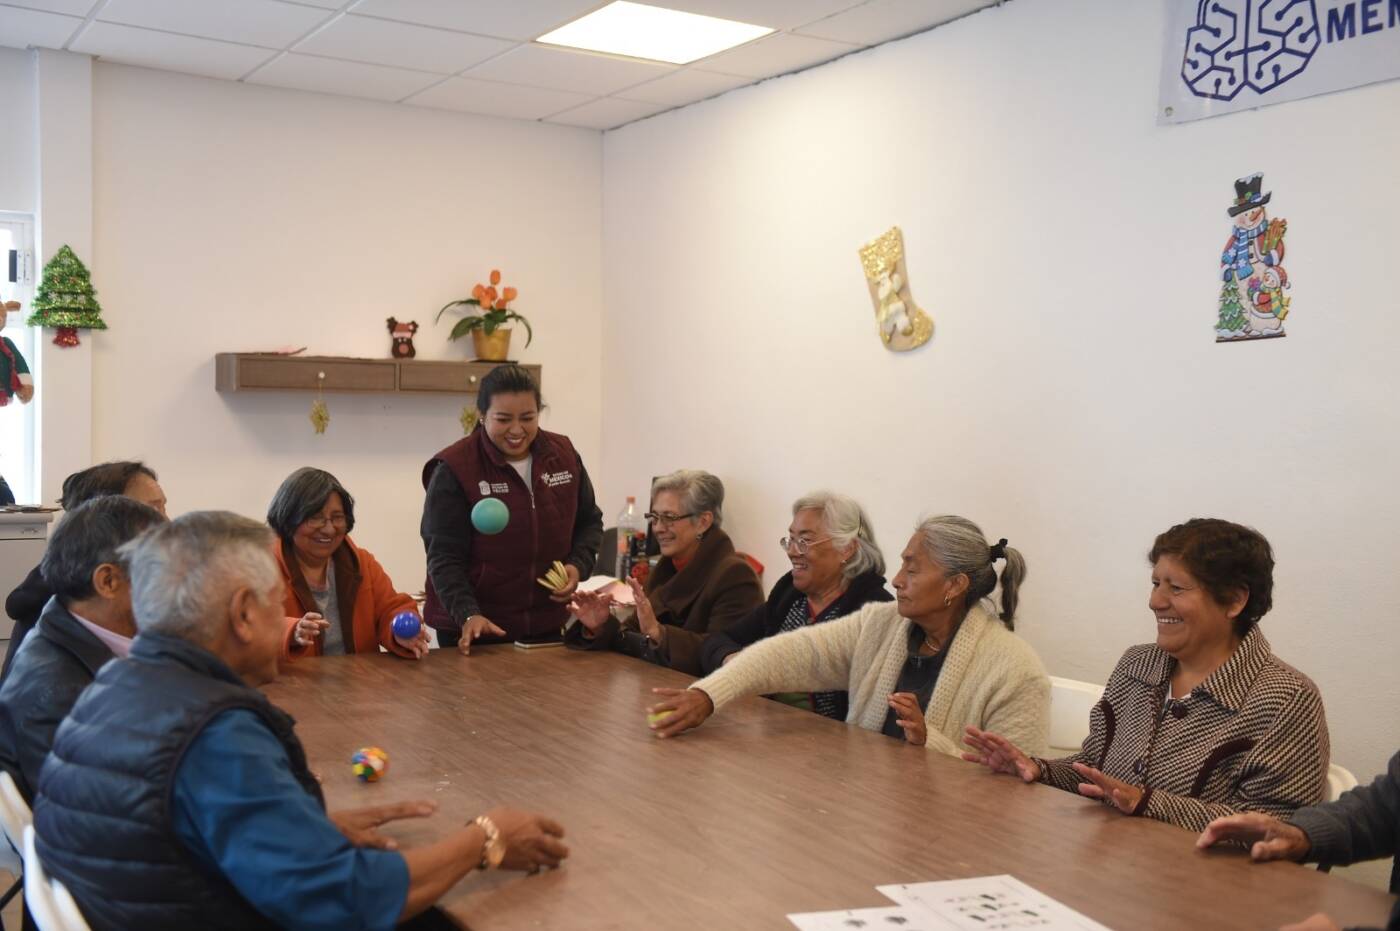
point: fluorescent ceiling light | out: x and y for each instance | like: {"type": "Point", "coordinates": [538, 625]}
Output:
{"type": "Point", "coordinates": [640, 31]}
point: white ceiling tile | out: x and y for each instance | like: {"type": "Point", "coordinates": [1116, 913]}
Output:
{"type": "Point", "coordinates": [255, 22]}
{"type": "Point", "coordinates": [776, 55]}
{"type": "Point", "coordinates": [69, 7]}
{"type": "Point", "coordinates": [777, 14]}
{"type": "Point", "coordinates": [401, 45]}
{"type": "Point", "coordinates": [324, 4]}
{"type": "Point", "coordinates": [683, 87]}
{"type": "Point", "coordinates": [495, 99]}
{"type": "Point", "coordinates": [522, 21]}
{"type": "Point", "coordinates": [607, 113]}
{"type": "Point", "coordinates": [881, 20]}
{"type": "Point", "coordinates": [347, 78]}
{"type": "Point", "coordinates": [23, 28]}
{"type": "Point", "coordinates": [187, 54]}
{"type": "Point", "coordinates": [564, 70]}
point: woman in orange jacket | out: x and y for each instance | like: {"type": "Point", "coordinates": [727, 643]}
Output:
{"type": "Point", "coordinates": [338, 598]}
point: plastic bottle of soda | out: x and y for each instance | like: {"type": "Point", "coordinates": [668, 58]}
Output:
{"type": "Point", "coordinates": [631, 538]}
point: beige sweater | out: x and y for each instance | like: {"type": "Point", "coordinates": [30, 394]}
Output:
{"type": "Point", "coordinates": [990, 679]}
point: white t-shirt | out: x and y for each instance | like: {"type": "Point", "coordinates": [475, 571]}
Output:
{"type": "Point", "coordinates": [523, 467]}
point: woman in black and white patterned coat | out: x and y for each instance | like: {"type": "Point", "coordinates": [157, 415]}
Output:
{"type": "Point", "coordinates": [1206, 722]}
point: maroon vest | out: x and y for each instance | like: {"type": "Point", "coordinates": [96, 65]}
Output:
{"type": "Point", "coordinates": [503, 567]}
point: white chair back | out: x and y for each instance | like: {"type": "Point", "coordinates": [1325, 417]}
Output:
{"type": "Point", "coordinates": [1070, 704]}
{"type": "Point", "coordinates": [1339, 780]}
{"type": "Point", "coordinates": [14, 815]}
{"type": "Point", "coordinates": [50, 904]}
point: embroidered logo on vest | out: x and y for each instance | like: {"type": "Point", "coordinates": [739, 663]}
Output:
{"type": "Point", "coordinates": [484, 486]}
{"type": "Point", "coordinates": [553, 479]}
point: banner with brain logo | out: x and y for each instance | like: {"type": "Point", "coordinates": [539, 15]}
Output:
{"type": "Point", "coordinates": [1227, 55]}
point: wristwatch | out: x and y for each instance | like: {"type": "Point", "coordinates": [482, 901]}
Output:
{"type": "Point", "coordinates": [494, 850]}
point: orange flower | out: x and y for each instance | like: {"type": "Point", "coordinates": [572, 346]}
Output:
{"type": "Point", "coordinates": [479, 292]}
{"type": "Point", "coordinates": [489, 296]}
{"type": "Point", "coordinates": [501, 304]}
{"type": "Point", "coordinates": [510, 294]}
{"type": "Point", "coordinates": [495, 276]}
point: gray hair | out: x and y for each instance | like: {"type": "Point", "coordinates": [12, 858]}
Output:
{"type": "Point", "coordinates": [700, 491]}
{"type": "Point", "coordinates": [957, 544]}
{"type": "Point", "coordinates": [184, 572]}
{"type": "Point", "coordinates": [847, 523]}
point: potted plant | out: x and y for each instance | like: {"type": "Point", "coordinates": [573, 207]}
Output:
{"type": "Point", "coordinates": [490, 335]}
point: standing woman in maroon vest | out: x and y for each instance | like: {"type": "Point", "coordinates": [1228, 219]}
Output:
{"type": "Point", "coordinates": [482, 587]}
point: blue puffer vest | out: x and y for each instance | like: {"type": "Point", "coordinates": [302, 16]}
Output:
{"type": "Point", "coordinates": [103, 813]}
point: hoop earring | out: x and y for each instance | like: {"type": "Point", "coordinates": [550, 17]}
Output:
{"type": "Point", "coordinates": [700, 537]}
{"type": "Point", "coordinates": [947, 601]}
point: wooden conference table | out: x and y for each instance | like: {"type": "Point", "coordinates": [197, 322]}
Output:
{"type": "Point", "coordinates": [763, 811]}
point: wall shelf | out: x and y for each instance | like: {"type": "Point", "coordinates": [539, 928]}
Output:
{"type": "Point", "coordinates": [257, 371]}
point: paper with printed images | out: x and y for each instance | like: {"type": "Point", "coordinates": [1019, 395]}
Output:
{"type": "Point", "coordinates": [989, 903]}
{"type": "Point", "coordinates": [898, 918]}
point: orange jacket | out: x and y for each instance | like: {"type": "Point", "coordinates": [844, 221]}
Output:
{"type": "Point", "coordinates": [367, 600]}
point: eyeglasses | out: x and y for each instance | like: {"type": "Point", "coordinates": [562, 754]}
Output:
{"type": "Point", "coordinates": [664, 520]}
{"type": "Point", "coordinates": [337, 521]}
{"type": "Point", "coordinates": [799, 544]}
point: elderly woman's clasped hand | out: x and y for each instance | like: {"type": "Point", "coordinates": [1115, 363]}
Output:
{"type": "Point", "coordinates": [310, 626]}
{"type": "Point", "coordinates": [679, 710]}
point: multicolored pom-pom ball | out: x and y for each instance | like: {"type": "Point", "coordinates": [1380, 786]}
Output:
{"type": "Point", "coordinates": [369, 764]}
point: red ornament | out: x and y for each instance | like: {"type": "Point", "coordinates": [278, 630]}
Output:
{"type": "Point", "coordinates": [67, 337]}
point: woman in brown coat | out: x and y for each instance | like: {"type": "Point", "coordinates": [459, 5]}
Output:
{"type": "Point", "coordinates": [700, 586]}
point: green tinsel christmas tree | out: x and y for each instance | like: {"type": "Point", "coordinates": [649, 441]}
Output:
{"type": "Point", "coordinates": [1232, 315]}
{"type": "Point", "coordinates": [66, 299]}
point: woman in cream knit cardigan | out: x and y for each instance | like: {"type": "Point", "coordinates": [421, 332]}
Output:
{"type": "Point", "coordinates": [922, 668]}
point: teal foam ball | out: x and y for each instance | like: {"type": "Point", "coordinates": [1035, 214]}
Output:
{"type": "Point", "coordinates": [490, 516]}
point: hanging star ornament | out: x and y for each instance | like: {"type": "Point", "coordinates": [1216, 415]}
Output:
{"type": "Point", "coordinates": [320, 416]}
{"type": "Point", "coordinates": [468, 419]}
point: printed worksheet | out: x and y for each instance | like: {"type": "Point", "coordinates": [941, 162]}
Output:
{"type": "Point", "coordinates": [989, 903]}
{"type": "Point", "coordinates": [898, 918]}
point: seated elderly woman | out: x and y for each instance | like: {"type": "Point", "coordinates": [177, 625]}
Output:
{"type": "Point", "coordinates": [700, 586]}
{"type": "Point", "coordinates": [1207, 721]}
{"type": "Point", "coordinates": [338, 598]}
{"type": "Point", "coordinates": [836, 569]}
{"type": "Point", "coordinates": [921, 669]}
{"type": "Point", "coordinates": [134, 480]}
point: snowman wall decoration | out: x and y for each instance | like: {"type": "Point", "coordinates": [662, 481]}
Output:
{"type": "Point", "coordinates": [15, 380]}
{"type": "Point", "coordinates": [1252, 302]}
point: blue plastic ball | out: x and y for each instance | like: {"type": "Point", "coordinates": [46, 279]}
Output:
{"type": "Point", "coordinates": [490, 516]}
{"type": "Point", "coordinates": [406, 625]}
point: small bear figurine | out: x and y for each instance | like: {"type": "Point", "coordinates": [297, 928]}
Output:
{"type": "Point", "coordinates": [402, 333]}
{"type": "Point", "coordinates": [15, 380]}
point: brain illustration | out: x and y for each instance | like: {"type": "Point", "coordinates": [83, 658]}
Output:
{"type": "Point", "coordinates": [1257, 44]}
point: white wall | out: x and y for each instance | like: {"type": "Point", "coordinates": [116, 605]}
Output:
{"type": "Point", "coordinates": [239, 218]}
{"type": "Point", "coordinates": [1072, 398]}
{"type": "Point", "coordinates": [19, 153]}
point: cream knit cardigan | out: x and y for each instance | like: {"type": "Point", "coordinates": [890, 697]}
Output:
{"type": "Point", "coordinates": [991, 678]}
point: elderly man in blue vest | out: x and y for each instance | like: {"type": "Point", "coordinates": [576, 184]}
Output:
{"type": "Point", "coordinates": [176, 796]}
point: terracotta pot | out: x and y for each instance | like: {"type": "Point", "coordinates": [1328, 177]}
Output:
{"type": "Point", "coordinates": [493, 348]}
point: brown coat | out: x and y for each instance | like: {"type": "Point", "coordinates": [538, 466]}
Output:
{"type": "Point", "coordinates": [716, 589]}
